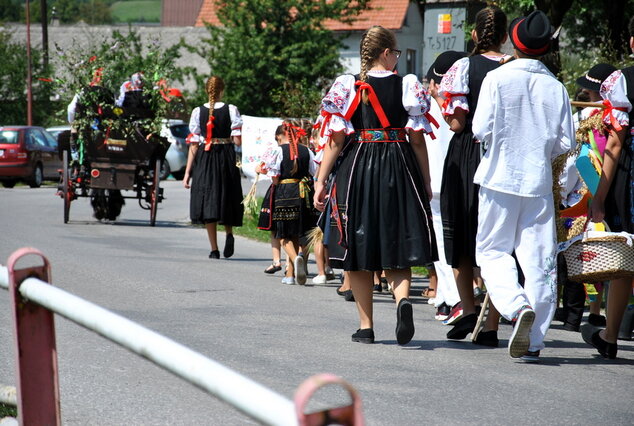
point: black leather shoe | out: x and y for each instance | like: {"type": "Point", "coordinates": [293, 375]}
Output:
{"type": "Point", "coordinates": [229, 242]}
{"type": "Point", "coordinates": [591, 336]}
{"type": "Point", "coordinates": [404, 322]}
{"type": "Point", "coordinates": [487, 338]}
{"type": "Point", "coordinates": [363, 336]}
{"type": "Point", "coordinates": [348, 296]}
{"type": "Point", "coordinates": [215, 254]}
{"type": "Point", "coordinates": [463, 327]}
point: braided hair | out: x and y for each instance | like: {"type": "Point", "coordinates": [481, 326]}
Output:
{"type": "Point", "coordinates": [214, 87]}
{"type": "Point", "coordinates": [373, 42]}
{"type": "Point", "coordinates": [296, 135]}
{"type": "Point", "coordinates": [490, 28]}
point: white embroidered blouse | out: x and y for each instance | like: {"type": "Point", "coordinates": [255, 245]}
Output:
{"type": "Point", "coordinates": [194, 121]}
{"type": "Point", "coordinates": [272, 160]}
{"type": "Point", "coordinates": [614, 89]}
{"type": "Point", "coordinates": [416, 101]}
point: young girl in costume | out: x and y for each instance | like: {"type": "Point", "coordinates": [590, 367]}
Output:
{"type": "Point", "coordinates": [457, 96]}
{"type": "Point", "coordinates": [380, 196]}
{"type": "Point", "coordinates": [614, 198]}
{"type": "Point", "coordinates": [216, 191]}
{"type": "Point", "coordinates": [291, 167]}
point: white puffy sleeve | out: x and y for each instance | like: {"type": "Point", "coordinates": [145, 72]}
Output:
{"type": "Point", "coordinates": [194, 126]}
{"type": "Point", "coordinates": [454, 87]}
{"type": "Point", "coordinates": [272, 160]}
{"type": "Point", "coordinates": [416, 101]}
{"type": "Point", "coordinates": [236, 120]}
{"type": "Point", "coordinates": [614, 89]}
{"type": "Point", "coordinates": [313, 164]}
{"type": "Point", "coordinates": [72, 106]}
{"type": "Point", "coordinates": [336, 103]}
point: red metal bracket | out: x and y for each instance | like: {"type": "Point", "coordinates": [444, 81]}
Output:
{"type": "Point", "coordinates": [349, 415]}
{"type": "Point", "coordinates": [35, 350]}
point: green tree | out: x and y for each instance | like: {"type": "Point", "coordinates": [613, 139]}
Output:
{"type": "Point", "coordinates": [13, 70]}
{"type": "Point", "coordinates": [10, 10]}
{"type": "Point", "coordinates": [267, 47]}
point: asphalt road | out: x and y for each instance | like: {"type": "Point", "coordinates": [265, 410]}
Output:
{"type": "Point", "coordinates": [277, 335]}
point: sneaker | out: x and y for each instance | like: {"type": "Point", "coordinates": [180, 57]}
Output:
{"type": "Point", "coordinates": [300, 271]}
{"type": "Point", "coordinates": [404, 322]}
{"type": "Point", "coordinates": [487, 338]}
{"type": "Point", "coordinates": [530, 357]}
{"type": "Point", "coordinates": [454, 314]}
{"type": "Point", "coordinates": [319, 279]}
{"type": "Point", "coordinates": [442, 312]}
{"type": "Point", "coordinates": [463, 327]}
{"type": "Point", "coordinates": [596, 320]}
{"type": "Point", "coordinates": [520, 339]}
{"type": "Point", "coordinates": [363, 336]}
{"type": "Point", "coordinates": [288, 280]}
{"type": "Point", "coordinates": [215, 254]}
{"type": "Point", "coordinates": [591, 336]}
{"type": "Point", "coordinates": [330, 275]}
{"type": "Point", "coordinates": [229, 243]}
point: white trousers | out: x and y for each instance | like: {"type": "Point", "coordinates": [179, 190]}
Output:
{"type": "Point", "coordinates": [526, 225]}
{"type": "Point", "coordinates": [446, 290]}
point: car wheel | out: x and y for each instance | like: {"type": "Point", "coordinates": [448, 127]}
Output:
{"type": "Point", "coordinates": [35, 180]}
{"type": "Point", "coordinates": [8, 183]}
{"type": "Point", "coordinates": [179, 175]}
{"type": "Point", "coordinates": [165, 170]}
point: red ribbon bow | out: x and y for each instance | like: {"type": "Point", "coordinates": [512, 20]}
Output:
{"type": "Point", "coordinates": [608, 111]}
{"type": "Point", "coordinates": [448, 98]}
{"type": "Point", "coordinates": [374, 101]}
{"type": "Point", "coordinates": [210, 126]}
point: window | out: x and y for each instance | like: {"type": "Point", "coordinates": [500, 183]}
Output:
{"type": "Point", "coordinates": [9, 136]}
{"type": "Point", "coordinates": [37, 138]}
{"type": "Point", "coordinates": [410, 57]}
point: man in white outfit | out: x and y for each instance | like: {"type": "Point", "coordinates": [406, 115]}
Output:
{"type": "Point", "coordinates": [524, 119]}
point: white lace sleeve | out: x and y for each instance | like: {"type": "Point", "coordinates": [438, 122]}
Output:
{"type": "Point", "coordinates": [454, 86]}
{"type": "Point", "coordinates": [236, 120]}
{"type": "Point", "coordinates": [416, 101]}
{"type": "Point", "coordinates": [194, 126]}
{"type": "Point", "coordinates": [336, 103]}
{"type": "Point", "coordinates": [614, 89]}
{"type": "Point", "coordinates": [272, 160]}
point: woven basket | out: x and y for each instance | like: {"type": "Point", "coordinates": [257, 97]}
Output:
{"type": "Point", "coordinates": [599, 259]}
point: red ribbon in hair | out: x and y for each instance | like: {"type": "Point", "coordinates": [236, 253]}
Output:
{"type": "Point", "coordinates": [292, 139]}
{"type": "Point", "coordinates": [210, 126]}
{"type": "Point", "coordinates": [608, 111]}
{"type": "Point", "coordinates": [374, 101]}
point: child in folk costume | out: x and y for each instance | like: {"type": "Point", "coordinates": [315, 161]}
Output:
{"type": "Point", "coordinates": [380, 196]}
{"type": "Point", "coordinates": [291, 167]}
{"type": "Point", "coordinates": [524, 119]}
{"type": "Point", "coordinates": [216, 190]}
{"type": "Point", "coordinates": [614, 198]}
{"type": "Point", "coordinates": [457, 96]}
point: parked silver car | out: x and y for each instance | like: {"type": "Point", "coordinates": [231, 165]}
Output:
{"type": "Point", "coordinates": [176, 132]}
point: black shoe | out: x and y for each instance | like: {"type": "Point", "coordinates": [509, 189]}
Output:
{"type": "Point", "coordinates": [463, 327]}
{"type": "Point", "coordinates": [571, 327]}
{"type": "Point", "coordinates": [378, 288]}
{"type": "Point", "coordinates": [384, 284]}
{"type": "Point", "coordinates": [363, 336]}
{"type": "Point", "coordinates": [487, 338]}
{"type": "Point", "coordinates": [591, 336]}
{"type": "Point", "coordinates": [348, 296]}
{"type": "Point", "coordinates": [341, 293]}
{"type": "Point", "coordinates": [404, 322]}
{"type": "Point", "coordinates": [215, 254]}
{"type": "Point", "coordinates": [596, 320]}
{"type": "Point", "coordinates": [560, 315]}
{"type": "Point", "coordinates": [228, 251]}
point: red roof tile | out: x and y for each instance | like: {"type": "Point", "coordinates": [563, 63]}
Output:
{"type": "Point", "coordinates": [387, 13]}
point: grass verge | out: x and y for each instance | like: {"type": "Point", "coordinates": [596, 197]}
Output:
{"type": "Point", "coordinates": [8, 411]}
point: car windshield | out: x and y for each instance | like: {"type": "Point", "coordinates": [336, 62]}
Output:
{"type": "Point", "coordinates": [180, 130]}
{"type": "Point", "coordinates": [8, 137]}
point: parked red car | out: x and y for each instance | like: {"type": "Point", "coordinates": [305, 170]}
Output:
{"type": "Point", "coordinates": [27, 153]}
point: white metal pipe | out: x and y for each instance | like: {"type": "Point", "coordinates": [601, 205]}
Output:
{"type": "Point", "coordinates": [8, 395]}
{"type": "Point", "coordinates": [251, 398]}
{"type": "Point", "coordinates": [4, 277]}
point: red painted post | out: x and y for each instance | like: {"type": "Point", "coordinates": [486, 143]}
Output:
{"type": "Point", "coordinates": [35, 351]}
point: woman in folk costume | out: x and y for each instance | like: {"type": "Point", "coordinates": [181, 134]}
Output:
{"type": "Point", "coordinates": [614, 198]}
{"type": "Point", "coordinates": [216, 191]}
{"type": "Point", "coordinates": [380, 196]}
{"type": "Point", "coordinates": [291, 167]}
{"type": "Point", "coordinates": [458, 98]}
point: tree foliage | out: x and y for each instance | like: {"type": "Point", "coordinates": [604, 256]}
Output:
{"type": "Point", "coordinates": [268, 48]}
{"type": "Point", "coordinates": [13, 71]}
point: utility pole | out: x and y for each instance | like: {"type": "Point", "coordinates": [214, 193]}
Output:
{"type": "Point", "coordinates": [44, 17]}
{"type": "Point", "coordinates": [29, 78]}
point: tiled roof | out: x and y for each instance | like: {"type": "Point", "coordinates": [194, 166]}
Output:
{"type": "Point", "coordinates": [387, 13]}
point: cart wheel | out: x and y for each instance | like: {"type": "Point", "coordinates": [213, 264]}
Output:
{"type": "Point", "coordinates": [155, 192]}
{"type": "Point", "coordinates": [66, 190]}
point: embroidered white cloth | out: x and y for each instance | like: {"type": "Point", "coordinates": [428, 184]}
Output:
{"type": "Point", "coordinates": [194, 121]}
{"type": "Point", "coordinates": [614, 89]}
{"type": "Point", "coordinates": [416, 101]}
{"type": "Point", "coordinates": [524, 116]}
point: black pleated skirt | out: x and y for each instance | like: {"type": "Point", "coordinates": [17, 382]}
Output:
{"type": "Point", "coordinates": [459, 198]}
{"type": "Point", "coordinates": [619, 203]}
{"type": "Point", "coordinates": [379, 212]}
{"type": "Point", "coordinates": [216, 189]}
{"type": "Point", "coordinates": [293, 215]}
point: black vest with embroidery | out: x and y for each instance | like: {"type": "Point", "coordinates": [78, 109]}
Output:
{"type": "Point", "coordinates": [222, 122]}
{"type": "Point", "coordinates": [479, 67]}
{"type": "Point", "coordinates": [389, 91]}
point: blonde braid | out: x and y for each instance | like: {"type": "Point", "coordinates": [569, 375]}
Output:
{"type": "Point", "coordinates": [373, 42]}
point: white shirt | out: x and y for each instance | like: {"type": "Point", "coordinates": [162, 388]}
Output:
{"type": "Point", "coordinates": [614, 89]}
{"type": "Point", "coordinates": [194, 121]}
{"type": "Point", "coordinates": [524, 116]}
